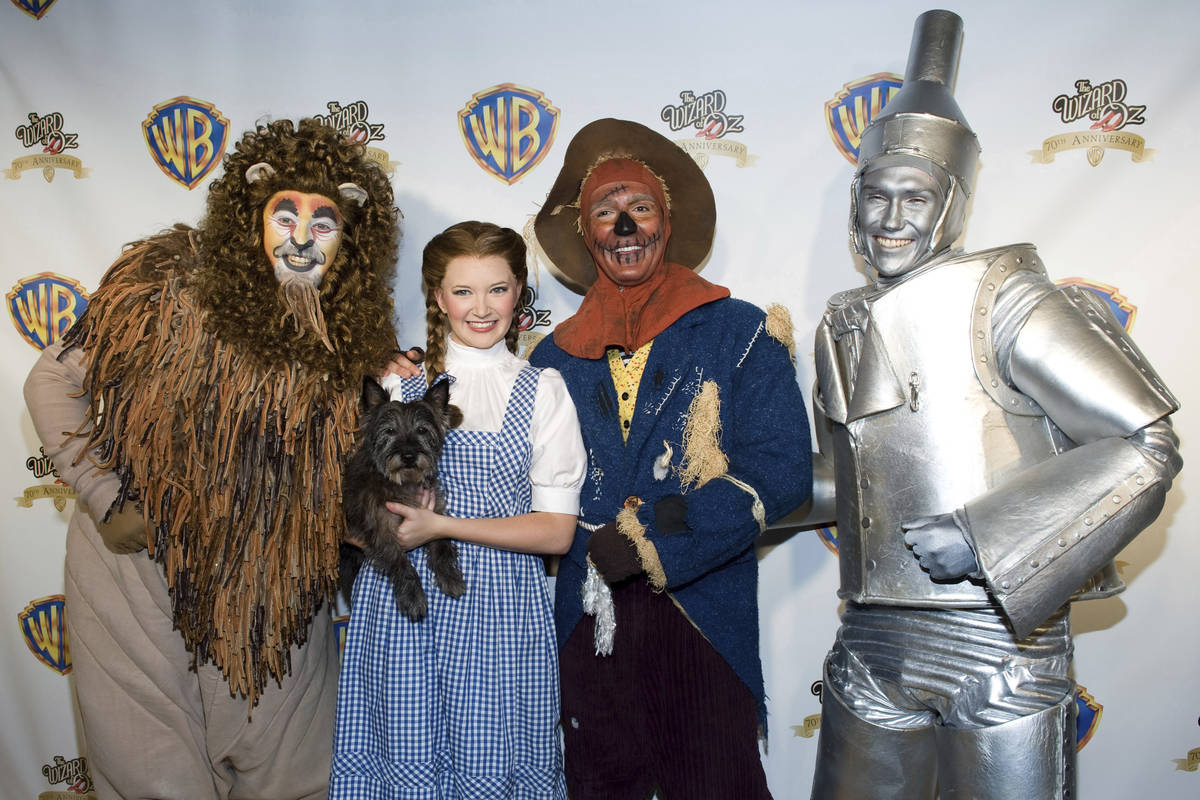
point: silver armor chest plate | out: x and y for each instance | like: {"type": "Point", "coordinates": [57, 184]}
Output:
{"type": "Point", "coordinates": [917, 434]}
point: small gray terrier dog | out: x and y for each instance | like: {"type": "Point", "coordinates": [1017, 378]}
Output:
{"type": "Point", "coordinates": [396, 459]}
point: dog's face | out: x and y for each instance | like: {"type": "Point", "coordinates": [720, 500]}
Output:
{"type": "Point", "coordinates": [405, 439]}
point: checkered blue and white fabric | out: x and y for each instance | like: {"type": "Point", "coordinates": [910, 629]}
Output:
{"type": "Point", "coordinates": [465, 703]}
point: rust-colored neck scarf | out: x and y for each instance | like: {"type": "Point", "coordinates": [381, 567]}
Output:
{"type": "Point", "coordinates": [628, 317]}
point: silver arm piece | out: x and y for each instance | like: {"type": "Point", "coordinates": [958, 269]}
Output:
{"type": "Point", "coordinates": [820, 508]}
{"type": "Point", "coordinates": [1040, 535]}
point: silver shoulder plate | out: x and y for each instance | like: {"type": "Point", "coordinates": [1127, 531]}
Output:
{"type": "Point", "coordinates": [1005, 261]}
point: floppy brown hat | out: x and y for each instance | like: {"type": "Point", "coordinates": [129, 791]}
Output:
{"type": "Point", "coordinates": [693, 211]}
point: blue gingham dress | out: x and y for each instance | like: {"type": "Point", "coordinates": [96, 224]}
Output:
{"type": "Point", "coordinates": [465, 703]}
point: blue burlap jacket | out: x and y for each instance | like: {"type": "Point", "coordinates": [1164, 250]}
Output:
{"type": "Point", "coordinates": [710, 568]}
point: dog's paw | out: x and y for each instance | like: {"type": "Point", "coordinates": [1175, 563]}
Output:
{"type": "Point", "coordinates": [410, 600]}
{"type": "Point", "coordinates": [451, 583]}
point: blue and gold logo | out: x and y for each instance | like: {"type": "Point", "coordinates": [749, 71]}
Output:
{"type": "Point", "coordinates": [508, 130]}
{"type": "Point", "coordinates": [851, 110]}
{"type": "Point", "coordinates": [34, 8]}
{"type": "Point", "coordinates": [44, 306]}
{"type": "Point", "coordinates": [828, 537]}
{"type": "Point", "coordinates": [44, 626]}
{"type": "Point", "coordinates": [1125, 311]}
{"type": "Point", "coordinates": [1088, 716]}
{"type": "Point", "coordinates": [186, 137]}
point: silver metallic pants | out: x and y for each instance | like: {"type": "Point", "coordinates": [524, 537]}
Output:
{"type": "Point", "coordinates": [921, 702]}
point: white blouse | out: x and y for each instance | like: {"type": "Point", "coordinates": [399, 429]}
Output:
{"type": "Point", "coordinates": [483, 380]}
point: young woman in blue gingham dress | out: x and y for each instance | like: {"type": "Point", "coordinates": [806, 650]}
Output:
{"type": "Point", "coordinates": [465, 703]}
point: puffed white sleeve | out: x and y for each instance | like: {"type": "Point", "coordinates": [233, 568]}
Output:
{"type": "Point", "coordinates": [558, 458]}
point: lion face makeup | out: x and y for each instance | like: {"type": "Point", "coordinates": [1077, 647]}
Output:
{"type": "Point", "coordinates": [301, 235]}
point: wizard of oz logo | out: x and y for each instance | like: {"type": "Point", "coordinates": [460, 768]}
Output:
{"type": "Point", "coordinates": [58, 492]}
{"type": "Point", "coordinates": [1102, 108]}
{"type": "Point", "coordinates": [46, 133]}
{"type": "Point", "coordinates": [186, 137]}
{"type": "Point", "coordinates": [74, 773]}
{"type": "Point", "coordinates": [351, 121]}
{"type": "Point", "coordinates": [508, 130]}
{"type": "Point", "coordinates": [705, 114]}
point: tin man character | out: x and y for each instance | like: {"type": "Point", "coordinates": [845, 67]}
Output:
{"type": "Point", "coordinates": [995, 441]}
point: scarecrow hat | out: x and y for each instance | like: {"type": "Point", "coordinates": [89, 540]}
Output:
{"type": "Point", "coordinates": [693, 212]}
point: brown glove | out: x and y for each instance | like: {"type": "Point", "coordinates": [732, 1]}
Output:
{"type": "Point", "coordinates": [125, 530]}
{"type": "Point", "coordinates": [613, 554]}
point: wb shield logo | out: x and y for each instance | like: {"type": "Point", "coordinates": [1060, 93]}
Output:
{"type": "Point", "coordinates": [508, 129]}
{"type": "Point", "coordinates": [44, 306]}
{"type": "Point", "coordinates": [186, 137]}
{"type": "Point", "coordinates": [34, 8]}
{"type": "Point", "coordinates": [1088, 716]}
{"type": "Point", "coordinates": [44, 626]}
{"type": "Point", "coordinates": [851, 110]}
{"type": "Point", "coordinates": [1124, 311]}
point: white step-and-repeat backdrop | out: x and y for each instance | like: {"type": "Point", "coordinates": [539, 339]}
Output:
{"type": "Point", "coordinates": [114, 115]}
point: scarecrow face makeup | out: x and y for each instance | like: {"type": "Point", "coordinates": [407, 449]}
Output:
{"type": "Point", "coordinates": [301, 235]}
{"type": "Point", "coordinates": [898, 208]}
{"type": "Point", "coordinates": [624, 231]}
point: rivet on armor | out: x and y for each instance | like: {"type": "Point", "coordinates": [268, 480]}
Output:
{"type": "Point", "coordinates": [1116, 498]}
{"type": "Point", "coordinates": [871, 564]}
{"type": "Point", "coordinates": [865, 482]}
{"type": "Point", "coordinates": [1004, 584]}
{"type": "Point", "coordinates": [978, 334]}
{"type": "Point", "coordinates": [991, 287]}
{"type": "Point", "coordinates": [1003, 268]}
{"type": "Point", "coordinates": [983, 359]}
{"type": "Point", "coordinates": [1020, 259]}
{"type": "Point", "coordinates": [1035, 564]}
{"type": "Point", "coordinates": [995, 382]}
{"type": "Point", "coordinates": [866, 522]}
{"type": "Point", "coordinates": [1140, 480]}
{"type": "Point", "coordinates": [1062, 542]}
{"type": "Point", "coordinates": [1087, 521]}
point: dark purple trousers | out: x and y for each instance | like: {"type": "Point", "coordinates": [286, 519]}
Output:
{"type": "Point", "coordinates": [664, 713]}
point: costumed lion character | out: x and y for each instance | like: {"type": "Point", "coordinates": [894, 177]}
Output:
{"type": "Point", "coordinates": [212, 385]}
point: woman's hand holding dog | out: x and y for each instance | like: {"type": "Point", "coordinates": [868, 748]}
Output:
{"type": "Point", "coordinates": [418, 525]}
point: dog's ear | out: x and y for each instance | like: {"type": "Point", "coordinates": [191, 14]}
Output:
{"type": "Point", "coordinates": [453, 416]}
{"type": "Point", "coordinates": [373, 394]}
{"type": "Point", "coordinates": [438, 396]}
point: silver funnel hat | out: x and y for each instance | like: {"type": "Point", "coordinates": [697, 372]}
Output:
{"type": "Point", "coordinates": [922, 122]}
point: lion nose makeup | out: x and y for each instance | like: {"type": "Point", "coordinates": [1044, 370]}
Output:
{"type": "Point", "coordinates": [625, 226]}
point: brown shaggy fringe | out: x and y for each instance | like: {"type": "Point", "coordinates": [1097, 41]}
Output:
{"type": "Point", "coordinates": [237, 468]}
